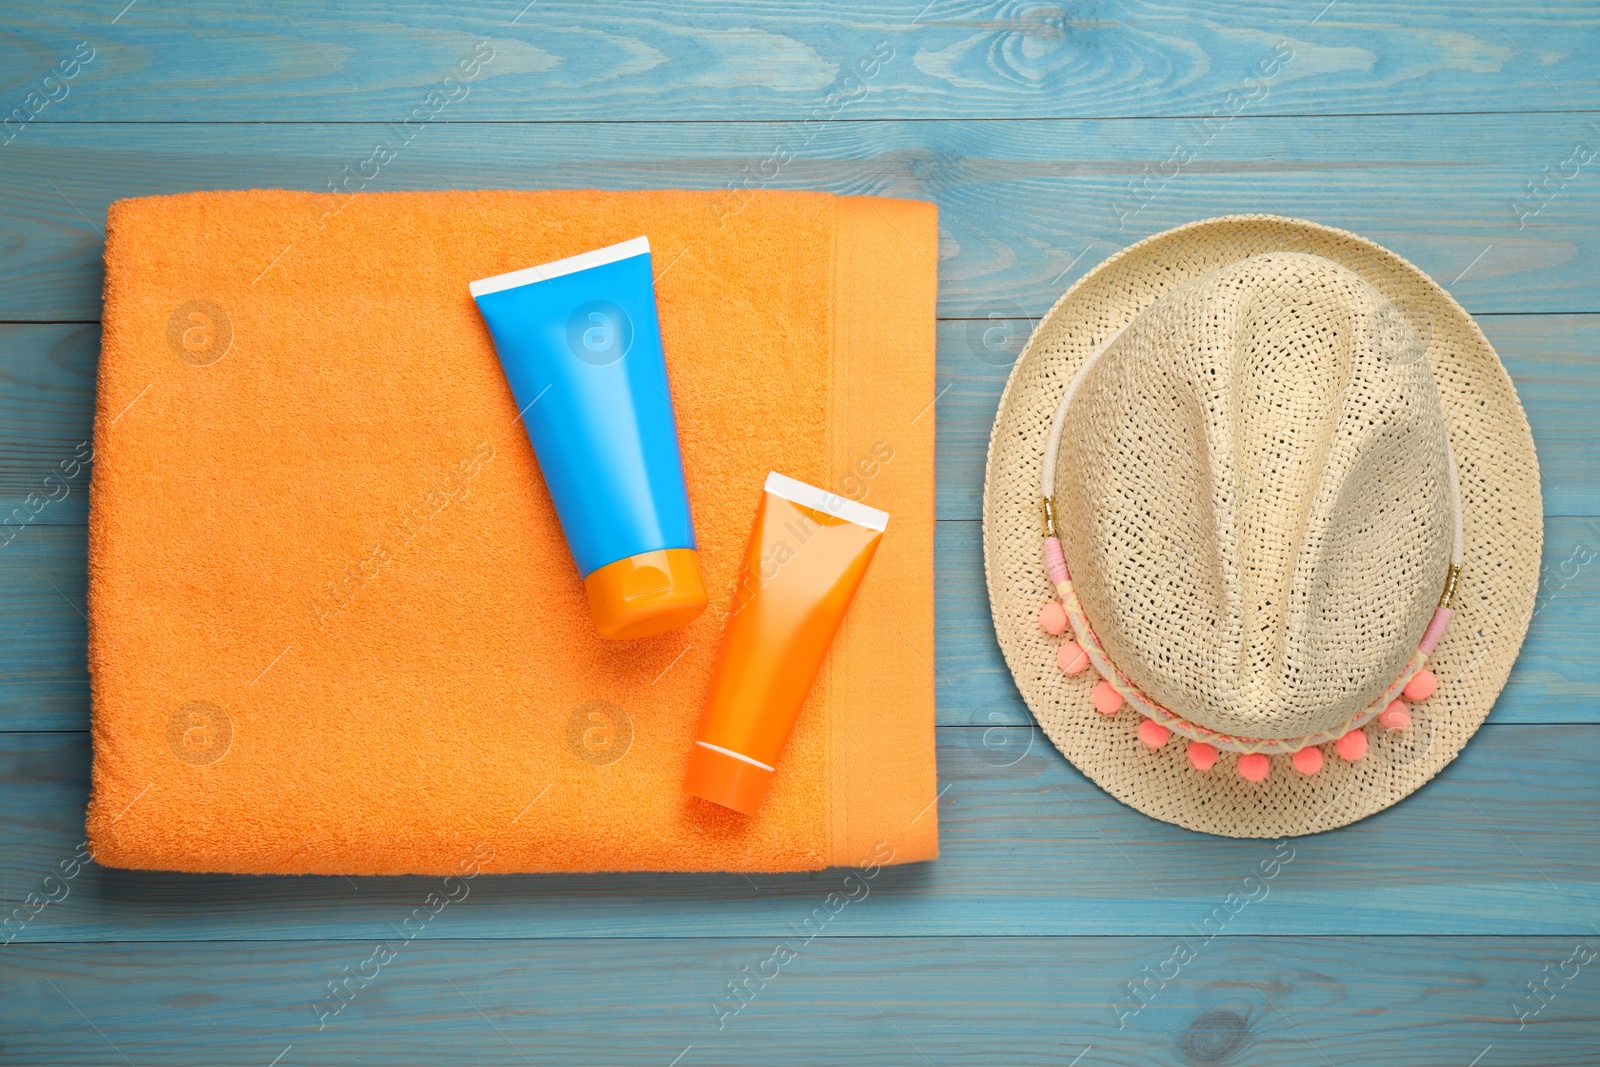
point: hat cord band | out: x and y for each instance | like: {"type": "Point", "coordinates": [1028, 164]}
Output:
{"type": "Point", "coordinates": [1114, 689]}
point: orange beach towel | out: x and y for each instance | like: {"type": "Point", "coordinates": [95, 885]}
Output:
{"type": "Point", "coordinates": [334, 627]}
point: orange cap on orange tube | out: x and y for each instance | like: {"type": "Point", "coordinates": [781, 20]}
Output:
{"type": "Point", "coordinates": [646, 594]}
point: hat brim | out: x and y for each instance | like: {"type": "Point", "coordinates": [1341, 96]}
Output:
{"type": "Point", "coordinates": [1502, 511]}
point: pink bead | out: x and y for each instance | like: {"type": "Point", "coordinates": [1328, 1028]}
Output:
{"type": "Point", "coordinates": [1071, 658]}
{"type": "Point", "coordinates": [1396, 716]}
{"type": "Point", "coordinates": [1422, 685]}
{"type": "Point", "coordinates": [1352, 746]}
{"type": "Point", "coordinates": [1202, 755]}
{"type": "Point", "coordinates": [1055, 564]}
{"type": "Point", "coordinates": [1153, 733]}
{"type": "Point", "coordinates": [1107, 701]}
{"type": "Point", "coordinates": [1436, 628]}
{"type": "Point", "coordinates": [1308, 760]}
{"type": "Point", "coordinates": [1053, 618]}
{"type": "Point", "coordinates": [1254, 767]}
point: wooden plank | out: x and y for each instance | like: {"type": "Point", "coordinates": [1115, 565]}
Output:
{"type": "Point", "coordinates": [1025, 206]}
{"type": "Point", "coordinates": [1018, 1001]}
{"type": "Point", "coordinates": [44, 684]}
{"type": "Point", "coordinates": [47, 406]}
{"type": "Point", "coordinates": [673, 59]}
{"type": "Point", "coordinates": [46, 381]}
{"type": "Point", "coordinates": [966, 960]}
{"type": "Point", "coordinates": [1503, 843]}
{"type": "Point", "coordinates": [44, 634]}
{"type": "Point", "coordinates": [47, 377]}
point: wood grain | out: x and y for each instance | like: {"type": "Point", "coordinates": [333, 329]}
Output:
{"type": "Point", "coordinates": [47, 406]}
{"type": "Point", "coordinates": [1045, 131]}
{"type": "Point", "coordinates": [44, 660]}
{"type": "Point", "coordinates": [44, 683]}
{"type": "Point", "coordinates": [1288, 1001]}
{"type": "Point", "coordinates": [1025, 207]}
{"type": "Point", "coordinates": [46, 403]}
{"type": "Point", "coordinates": [47, 377]}
{"type": "Point", "coordinates": [676, 59]}
{"type": "Point", "coordinates": [1503, 842]}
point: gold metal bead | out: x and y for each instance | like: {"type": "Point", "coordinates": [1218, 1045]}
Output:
{"type": "Point", "coordinates": [1447, 599]}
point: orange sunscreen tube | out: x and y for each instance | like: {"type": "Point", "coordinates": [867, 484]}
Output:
{"type": "Point", "coordinates": [807, 553]}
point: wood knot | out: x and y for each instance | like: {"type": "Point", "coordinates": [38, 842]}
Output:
{"type": "Point", "coordinates": [1213, 1038]}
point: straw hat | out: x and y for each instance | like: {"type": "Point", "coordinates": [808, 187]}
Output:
{"type": "Point", "coordinates": [1261, 526]}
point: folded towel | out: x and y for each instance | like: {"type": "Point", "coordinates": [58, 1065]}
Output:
{"type": "Point", "coordinates": [334, 627]}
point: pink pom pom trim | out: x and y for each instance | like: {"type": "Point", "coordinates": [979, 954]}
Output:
{"type": "Point", "coordinates": [1159, 724]}
{"type": "Point", "coordinates": [1396, 716]}
{"type": "Point", "coordinates": [1071, 658]}
{"type": "Point", "coordinates": [1308, 760]}
{"type": "Point", "coordinates": [1153, 733]}
{"type": "Point", "coordinates": [1352, 746]}
{"type": "Point", "coordinates": [1254, 767]}
{"type": "Point", "coordinates": [1421, 686]}
{"type": "Point", "coordinates": [1086, 639]}
{"type": "Point", "coordinates": [1107, 701]}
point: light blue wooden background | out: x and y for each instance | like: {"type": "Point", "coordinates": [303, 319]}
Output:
{"type": "Point", "coordinates": [1460, 133]}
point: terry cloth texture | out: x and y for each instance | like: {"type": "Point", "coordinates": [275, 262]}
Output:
{"type": "Point", "coordinates": [334, 626]}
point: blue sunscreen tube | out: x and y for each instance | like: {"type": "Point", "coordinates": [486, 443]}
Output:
{"type": "Point", "coordinates": [581, 346]}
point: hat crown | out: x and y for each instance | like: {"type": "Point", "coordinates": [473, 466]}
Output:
{"type": "Point", "coordinates": [1254, 496]}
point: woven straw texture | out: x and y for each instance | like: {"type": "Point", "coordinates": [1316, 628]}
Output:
{"type": "Point", "coordinates": [1262, 553]}
{"type": "Point", "coordinates": [1255, 499]}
